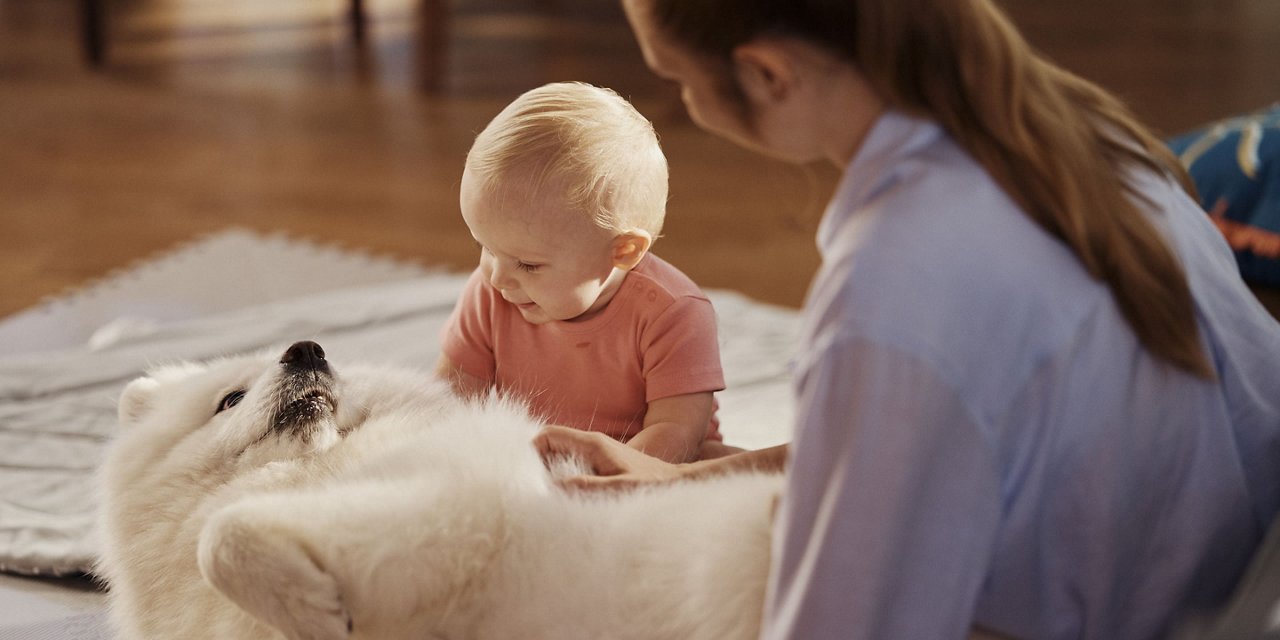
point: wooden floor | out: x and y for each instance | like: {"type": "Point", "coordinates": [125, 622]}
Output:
{"type": "Point", "coordinates": [217, 113]}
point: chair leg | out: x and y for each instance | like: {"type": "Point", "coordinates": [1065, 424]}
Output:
{"type": "Point", "coordinates": [433, 28]}
{"type": "Point", "coordinates": [93, 29]}
{"type": "Point", "coordinates": [358, 22]}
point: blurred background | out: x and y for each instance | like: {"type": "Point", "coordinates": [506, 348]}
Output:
{"type": "Point", "coordinates": [127, 126]}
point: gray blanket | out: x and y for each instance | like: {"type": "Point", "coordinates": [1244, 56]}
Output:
{"type": "Point", "coordinates": [57, 408]}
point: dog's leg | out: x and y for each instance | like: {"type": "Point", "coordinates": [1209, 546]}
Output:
{"type": "Point", "coordinates": [262, 564]}
{"type": "Point", "coordinates": [358, 561]}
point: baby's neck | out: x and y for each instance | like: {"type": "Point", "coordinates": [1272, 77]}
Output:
{"type": "Point", "coordinates": [611, 287]}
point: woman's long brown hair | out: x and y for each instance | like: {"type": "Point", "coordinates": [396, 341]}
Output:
{"type": "Point", "coordinates": [1061, 147]}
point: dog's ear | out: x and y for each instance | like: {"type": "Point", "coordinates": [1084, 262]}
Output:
{"type": "Point", "coordinates": [135, 400]}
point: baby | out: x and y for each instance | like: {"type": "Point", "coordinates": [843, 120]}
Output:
{"type": "Point", "coordinates": [565, 192]}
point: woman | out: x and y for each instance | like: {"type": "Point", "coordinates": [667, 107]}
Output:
{"type": "Point", "coordinates": [1033, 395]}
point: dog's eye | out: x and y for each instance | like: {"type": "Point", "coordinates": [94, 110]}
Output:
{"type": "Point", "coordinates": [230, 400]}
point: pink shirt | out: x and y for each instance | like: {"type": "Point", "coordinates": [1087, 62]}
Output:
{"type": "Point", "coordinates": [655, 339]}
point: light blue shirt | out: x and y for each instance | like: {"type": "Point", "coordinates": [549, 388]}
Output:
{"type": "Point", "coordinates": [982, 440]}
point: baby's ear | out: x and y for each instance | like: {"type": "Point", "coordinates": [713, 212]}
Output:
{"type": "Point", "coordinates": [135, 400]}
{"type": "Point", "coordinates": [629, 247]}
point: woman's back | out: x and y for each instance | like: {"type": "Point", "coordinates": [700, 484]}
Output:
{"type": "Point", "coordinates": [1081, 487]}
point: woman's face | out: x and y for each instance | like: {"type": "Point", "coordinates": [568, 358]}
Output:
{"type": "Point", "coordinates": [789, 124]}
{"type": "Point", "coordinates": [700, 87]}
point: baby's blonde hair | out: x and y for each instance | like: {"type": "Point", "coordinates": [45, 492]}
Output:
{"type": "Point", "coordinates": [586, 140]}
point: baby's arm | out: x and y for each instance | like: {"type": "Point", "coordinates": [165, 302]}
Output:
{"type": "Point", "coordinates": [675, 427]}
{"type": "Point", "coordinates": [463, 383]}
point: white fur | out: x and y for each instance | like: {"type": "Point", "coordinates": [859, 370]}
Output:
{"type": "Point", "coordinates": [404, 513]}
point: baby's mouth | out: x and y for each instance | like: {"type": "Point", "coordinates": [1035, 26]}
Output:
{"type": "Point", "coordinates": [527, 304]}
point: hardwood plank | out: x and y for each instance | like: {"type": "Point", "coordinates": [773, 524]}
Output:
{"type": "Point", "coordinates": [268, 116]}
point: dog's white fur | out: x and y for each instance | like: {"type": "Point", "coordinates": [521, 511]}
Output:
{"type": "Point", "coordinates": [401, 513]}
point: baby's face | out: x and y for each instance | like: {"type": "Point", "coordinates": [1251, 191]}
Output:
{"type": "Point", "coordinates": [550, 262]}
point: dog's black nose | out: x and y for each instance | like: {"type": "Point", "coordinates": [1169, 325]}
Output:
{"type": "Point", "coordinates": [305, 355]}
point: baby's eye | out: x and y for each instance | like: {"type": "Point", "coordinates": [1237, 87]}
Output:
{"type": "Point", "coordinates": [526, 267]}
{"type": "Point", "coordinates": [230, 400]}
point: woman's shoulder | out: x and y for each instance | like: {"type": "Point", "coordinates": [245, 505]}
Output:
{"type": "Point", "coordinates": [939, 262]}
{"type": "Point", "coordinates": [941, 238]}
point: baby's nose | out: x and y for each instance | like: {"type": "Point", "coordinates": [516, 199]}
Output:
{"type": "Point", "coordinates": [501, 278]}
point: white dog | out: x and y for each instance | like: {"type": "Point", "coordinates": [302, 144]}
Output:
{"type": "Point", "coordinates": [261, 497]}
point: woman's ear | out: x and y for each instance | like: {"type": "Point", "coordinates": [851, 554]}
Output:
{"type": "Point", "coordinates": [764, 70]}
{"type": "Point", "coordinates": [629, 247]}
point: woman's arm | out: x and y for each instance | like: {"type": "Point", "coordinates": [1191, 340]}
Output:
{"type": "Point", "coordinates": [618, 466]}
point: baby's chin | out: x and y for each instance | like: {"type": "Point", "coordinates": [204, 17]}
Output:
{"type": "Point", "coordinates": [534, 314]}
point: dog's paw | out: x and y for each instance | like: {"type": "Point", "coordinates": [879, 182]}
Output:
{"type": "Point", "coordinates": [313, 615]}
{"type": "Point", "coordinates": [265, 570]}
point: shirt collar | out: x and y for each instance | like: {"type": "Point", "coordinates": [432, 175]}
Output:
{"type": "Point", "coordinates": [894, 136]}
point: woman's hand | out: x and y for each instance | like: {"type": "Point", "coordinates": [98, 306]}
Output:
{"type": "Point", "coordinates": [615, 465]}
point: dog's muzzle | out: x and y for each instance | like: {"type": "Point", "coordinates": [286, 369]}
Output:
{"type": "Point", "coordinates": [306, 388]}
